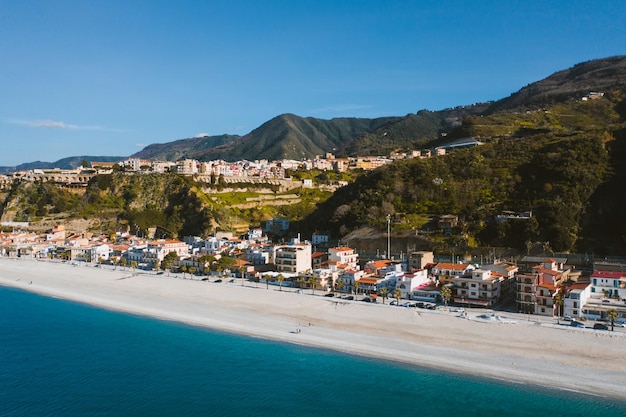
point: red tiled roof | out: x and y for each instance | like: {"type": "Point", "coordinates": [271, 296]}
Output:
{"type": "Point", "coordinates": [607, 274]}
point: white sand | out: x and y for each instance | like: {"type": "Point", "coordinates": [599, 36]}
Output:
{"type": "Point", "coordinates": [526, 352]}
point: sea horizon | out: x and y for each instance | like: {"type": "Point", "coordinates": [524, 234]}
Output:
{"type": "Point", "coordinates": [67, 358]}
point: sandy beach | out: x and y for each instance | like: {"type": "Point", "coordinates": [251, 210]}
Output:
{"type": "Point", "coordinates": [519, 349]}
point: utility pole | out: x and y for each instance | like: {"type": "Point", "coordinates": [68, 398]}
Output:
{"type": "Point", "coordinates": [389, 236]}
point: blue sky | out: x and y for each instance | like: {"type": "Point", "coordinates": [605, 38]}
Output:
{"type": "Point", "coordinates": [110, 77]}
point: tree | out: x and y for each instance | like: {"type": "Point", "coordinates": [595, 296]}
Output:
{"type": "Point", "coordinates": [612, 315]}
{"type": "Point", "coordinates": [183, 270]}
{"type": "Point", "coordinates": [133, 265]}
{"type": "Point", "coordinates": [191, 270]}
{"type": "Point", "coordinates": [384, 292]}
{"type": "Point", "coordinates": [356, 289]}
{"type": "Point", "coordinates": [558, 304]}
{"type": "Point", "coordinates": [301, 281]}
{"type": "Point", "coordinates": [266, 277]}
{"type": "Point", "coordinates": [397, 294]}
{"type": "Point", "coordinates": [280, 278]}
{"type": "Point", "coordinates": [446, 293]}
{"type": "Point", "coordinates": [312, 283]}
{"type": "Point", "coordinates": [339, 285]}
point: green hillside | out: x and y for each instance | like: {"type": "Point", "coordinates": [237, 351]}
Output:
{"type": "Point", "coordinates": [559, 163]}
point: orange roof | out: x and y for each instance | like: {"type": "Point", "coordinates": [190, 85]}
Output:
{"type": "Point", "coordinates": [450, 265]}
{"type": "Point", "coordinates": [369, 281]}
{"type": "Point", "coordinates": [341, 249]}
{"type": "Point", "coordinates": [379, 264]}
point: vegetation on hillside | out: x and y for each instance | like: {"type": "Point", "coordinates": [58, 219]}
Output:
{"type": "Point", "coordinates": [554, 163]}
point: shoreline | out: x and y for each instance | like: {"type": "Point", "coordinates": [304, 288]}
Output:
{"type": "Point", "coordinates": [526, 353]}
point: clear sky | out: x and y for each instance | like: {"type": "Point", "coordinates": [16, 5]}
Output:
{"type": "Point", "coordinates": [110, 77]}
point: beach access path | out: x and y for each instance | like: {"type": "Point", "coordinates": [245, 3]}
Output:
{"type": "Point", "coordinates": [516, 349]}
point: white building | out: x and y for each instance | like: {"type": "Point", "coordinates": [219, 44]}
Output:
{"type": "Point", "coordinates": [348, 277]}
{"type": "Point", "coordinates": [479, 288]}
{"type": "Point", "coordinates": [408, 283]}
{"type": "Point", "coordinates": [575, 299]}
{"type": "Point", "coordinates": [293, 258]}
{"type": "Point", "coordinates": [345, 256]}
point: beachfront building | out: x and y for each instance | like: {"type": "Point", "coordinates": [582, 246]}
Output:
{"type": "Point", "coordinates": [156, 250]}
{"type": "Point", "coordinates": [445, 271]}
{"type": "Point", "coordinates": [293, 258]}
{"type": "Point", "coordinates": [349, 277]}
{"type": "Point", "coordinates": [409, 283]}
{"type": "Point", "coordinates": [607, 292]}
{"type": "Point", "coordinates": [507, 272]}
{"type": "Point", "coordinates": [326, 277]}
{"type": "Point", "coordinates": [478, 288]}
{"type": "Point", "coordinates": [537, 290]}
{"type": "Point", "coordinates": [100, 253]}
{"type": "Point", "coordinates": [576, 297]}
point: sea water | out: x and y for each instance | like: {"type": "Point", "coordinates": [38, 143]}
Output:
{"type": "Point", "coordinates": [59, 358]}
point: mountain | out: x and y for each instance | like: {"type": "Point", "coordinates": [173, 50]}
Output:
{"type": "Point", "coordinates": [293, 137]}
{"type": "Point", "coordinates": [571, 84]}
{"type": "Point", "coordinates": [71, 162]}
{"type": "Point", "coordinates": [183, 148]}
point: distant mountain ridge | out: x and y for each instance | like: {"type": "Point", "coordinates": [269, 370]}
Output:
{"type": "Point", "coordinates": [293, 137]}
{"type": "Point", "coordinates": [71, 162]}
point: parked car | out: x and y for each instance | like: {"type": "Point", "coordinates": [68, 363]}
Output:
{"type": "Point", "coordinates": [600, 326]}
{"type": "Point", "coordinates": [567, 318]}
{"type": "Point", "coordinates": [218, 280]}
{"type": "Point", "coordinates": [329, 294]}
{"type": "Point", "coordinates": [575, 323]}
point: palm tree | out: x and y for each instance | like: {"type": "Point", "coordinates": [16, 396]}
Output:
{"type": "Point", "coordinates": [356, 289]}
{"type": "Point", "coordinates": [397, 294]}
{"type": "Point", "coordinates": [312, 283]}
{"type": "Point", "coordinates": [558, 303]}
{"type": "Point", "coordinates": [301, 281]}
{"type": "Point", "coordinates": [446, 293]}
{"type": "Point", "coordinates": [280, 278]}
{"type": "Point", "coordinates": [242, 271]}
{"type": "Point", "coordinates": [384, 292]}
{"type": "Point", "coordinates": [191, 270]}
{"type": "Point", "coordinates": [612, 314]}
{"type": "Point", "coordinates": [266, 277]}
{"type": "Point", "coordinates": [339, 285]}
{"type": "Point", "coordinates": [183, 270]}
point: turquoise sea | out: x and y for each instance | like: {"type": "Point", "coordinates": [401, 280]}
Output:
{"type": "Point", "coordinates": [59, 358]}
